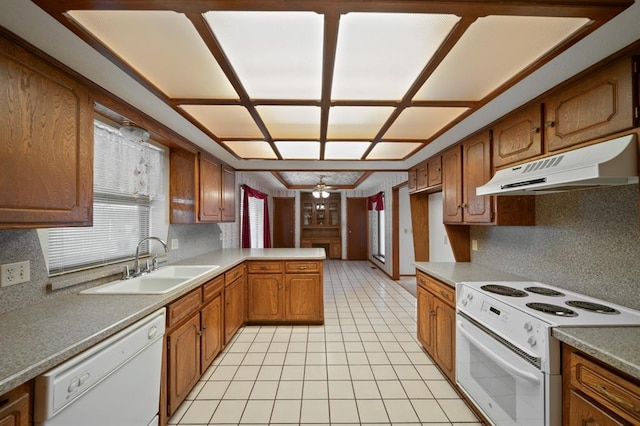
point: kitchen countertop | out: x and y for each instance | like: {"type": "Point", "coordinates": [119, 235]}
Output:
{"type": "Point", "coordinates": [40, 336]}
{"type": "Point", "coordinates": [618, 347]}
{"type": "Point", "coordinates": [615, 346]}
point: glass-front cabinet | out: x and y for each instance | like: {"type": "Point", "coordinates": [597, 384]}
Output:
{"type": "Point", "coordinates": [320, 223]}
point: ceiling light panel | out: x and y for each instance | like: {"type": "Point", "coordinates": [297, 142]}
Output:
{"type": "Point", "coordinates": [494, 49]}
{"type": "Point", "coordinates": [345, 150]}
{"type": "Point", "coordinates": [225, 121]}
{"type": "Point", "coordinates": [145, 39]}
{"type": "Point", "coordinates": [356, 122]}
{"type": "Point", "coordinates": [422, 122]}
{"type": "Point", "coordinates": [291, 122]}
{"type": "Point", "coordinates": [379, 55]}
{"type": "Point", "coordinates": [392, 150]}
{"type": "Point", "coordinates": [299, 150]}
{"type": "Point", "coordinates": [252, 150]}
{"type": "Point", "coordinates": [276, 55]}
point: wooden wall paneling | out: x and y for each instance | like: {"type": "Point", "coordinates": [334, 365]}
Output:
{"type": "Point", "coordinates": [420, 224]}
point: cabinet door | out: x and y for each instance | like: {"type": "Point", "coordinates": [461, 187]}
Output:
{"type": "Point", "coordinates": [233, 308]}
{"type": "Point", "coordinates": [303, 297]}
{"type": "Point", "coordinates": [422, 176]}
{"type": "Point", "coordinates": [335, 249]}
{"type": "Point", "coordinates": [452, 185]}
{"type": "Point", "coordinates": [425, 319]}
{"type": "Point", "coordinates": [182, 186]}
{"type": "Point", "coordinates": [444, 323]}
{"type": "Point", "coordinates": [211, 324]}
{"type": "Point", "coordinates": [435, 171]}
{"type": "Point", "coordinates": [264, 297]}
{"type": "Point", "coordinates": [46, 152]}
{"type": "Point", "coordinates": [584, 412]}
{"type": "Point", "coordinates": [209, 208]}
{"type": "Point", "coordinates": [412, 179]}
{"type": "Point", "coordinates": [14, 407]}
{"type": "Point", "coordinates": [477, 171]}
{"type": "Point", "coordinates": [183, 361]}
{"type": "Point", "coordinates": [596, 106]}
{"type": "Point", "coordinates": [518, 137]}
{"type": "Point", "coordinates": [228, 194]}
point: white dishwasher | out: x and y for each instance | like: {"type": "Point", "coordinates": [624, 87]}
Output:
{"type": "Point", "coordinates": [114, 383]}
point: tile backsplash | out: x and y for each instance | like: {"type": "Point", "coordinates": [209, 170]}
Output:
{"type": "Point", "coordinates": [585, 241]}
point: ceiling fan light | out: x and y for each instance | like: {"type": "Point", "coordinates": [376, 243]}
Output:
{"type": "Point", "coordinates": [316, 193]}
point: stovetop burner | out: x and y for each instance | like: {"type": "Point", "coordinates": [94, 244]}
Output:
{"type": "Point", "coordinates": [552, 309]}
{"type": "Point", "coordinates": [544, 291]}
{"type": "Point", "coordinates": [592, 307]}
{"type": "Point", "coordinates": [504, 290]}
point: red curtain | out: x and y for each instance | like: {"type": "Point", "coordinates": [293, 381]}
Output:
{"type": "Point", "coordinates": [376, 202]}
{"type": "Point", "coordinates": [246, 228]}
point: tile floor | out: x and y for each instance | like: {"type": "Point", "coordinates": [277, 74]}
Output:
{"type": "Point", "coordinates": [363, 366]}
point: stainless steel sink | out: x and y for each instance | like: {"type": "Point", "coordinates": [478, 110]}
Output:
{"type": "Point", "coordinates": [158, 282]}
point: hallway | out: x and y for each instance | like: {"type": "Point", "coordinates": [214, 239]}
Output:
{"type": "Point", "coordinates": [363, 366]}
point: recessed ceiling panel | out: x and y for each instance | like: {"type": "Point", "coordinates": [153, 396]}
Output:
{"type": "Point", "coordinates": [225, 121]}
{"type": "Point", "coordinates": [162, 46]}
{"type": "Point", "coordinates": [291, 122]}
{"type": "Point", "coordinates": [392, 150]}
{"type": "Point", "coordinates": [493, 50]}
{"type": "Point", "coordinates": [336, 150]}
{"type": "Point", "coordinates": [277, 55]}
{"type": "Point", "coordinates": [422, 122]}
{"type": "Point", "coordinates": [252, 149]}
{"type": "Point", "coordinates": [356, 122]}
{"type": "Point", "coordinates": [379, 55]}
{"type": "Point", "coordinates": [299, 150]}
{"type": "Point", "coordinates": [341, 178]}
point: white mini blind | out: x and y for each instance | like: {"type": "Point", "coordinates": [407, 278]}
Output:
{"type": "Point", "coordinates": [129, 204]}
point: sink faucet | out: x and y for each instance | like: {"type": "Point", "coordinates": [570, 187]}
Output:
{"type": "Point", "coordinates": [136, 265]}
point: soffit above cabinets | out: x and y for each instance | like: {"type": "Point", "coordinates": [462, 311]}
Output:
{"type": "Point", "coordinates": [326, 80]}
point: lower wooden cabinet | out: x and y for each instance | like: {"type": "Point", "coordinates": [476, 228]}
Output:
{"type": "Point", "coordinates": [437, 322]}
{"type": "Point", "coordinates": [183, 361]}
{"type": "Point", "coordinates": [595, 394]}
{"type": "Point", "coordinates": [289, 291]}
{"type": "Point", "coordinates": [234, 301]}
{"type": "Point", "coordinates": [15, 406]}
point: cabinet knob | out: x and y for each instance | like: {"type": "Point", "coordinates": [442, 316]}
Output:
{"type": "Point", "coordinates": [535, 130]}
{"type": "Point", "coordinates": [549, 124]}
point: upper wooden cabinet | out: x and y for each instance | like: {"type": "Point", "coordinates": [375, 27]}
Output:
{"type": "Point", "coordinates": [46, 144]}
{"type": "Point", "coordinates": [426, 175]}
{"type": "Point", "coordinates": [518, 137]}
{"type": "Point", "coordinates": [435, 171]}
{"type": "Point", "coordinates": [412, 179]}
{"type": "Point", "coordinates": [595, 106]}
{"type": "Point", "coordinates": [202, 189]}
{"type": "Point", "coordinates": [476, 168]}
{"type": "Point", "coordinates": [422, 176]}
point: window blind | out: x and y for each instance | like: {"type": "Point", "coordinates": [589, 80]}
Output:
{"type": "Point", "coordinates": [129, 204]}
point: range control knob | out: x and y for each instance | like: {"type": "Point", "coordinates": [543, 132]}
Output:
{"type": "Point", "coordinates": [464, 302]}
{"type": "Point", "coordinates": [469, 296]}
{"type": "Point", "coordinates": [528, 326]}
{"type": "Point", "coordinates": [531, 341]}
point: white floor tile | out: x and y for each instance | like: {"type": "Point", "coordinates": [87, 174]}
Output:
{"type": "Point", "coordinates": [315, 389]}
{"type": "Point", "coordinates": [429, 411]}
{"type": "Point", "coordinates": [270, 372]}
{"type": "Point", "coordinates": [247, 372]}
{"type": "Point", "coordinates": [238, 390]}
{"type": "Point", "coordinates": [338, 372]}
{"type": "Point", "coordinates": [372, 410]}
{"type": "Point", "coordinates": [456, 410]}
{"type": "Point", "coordinates": [391, 389]}
{"type": "Point", "coordinates": [315, 372]}
{"type": "Point", "coordinates": [361, 372]}
{"type": "Point", "coordinates": [315, 411]}
{"type": "Point", "coordinates": [264, 390]}
{"type": "Point", "coordinates": [257, 412]}
{"type": "Point", "coordinates": [343, 411]}
{"type": "Point", "coordinates": [229, 411]}
{"type": "Point", "coordinates": [400, 411]}
{"type": "Point", "coordinates": [290, 389]}
{"type": "Point", "coordinates": [199, 412]}
{"type": "Point", "coordinates": [340, 389]}
{"type": "Point", "coordinates": [441, 389]}
{"type": "Point", "coordinates": [286, 411]}
{"type": "Point", "coordinates": [292, 372]}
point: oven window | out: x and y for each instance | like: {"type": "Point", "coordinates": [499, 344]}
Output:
{"type": "Point", "coordinates": [495, 381]}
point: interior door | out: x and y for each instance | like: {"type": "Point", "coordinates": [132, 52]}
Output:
{"type": "Point", "coordinates": [283, 222]}
{"type": "Point", "coordinates": [357, 226]}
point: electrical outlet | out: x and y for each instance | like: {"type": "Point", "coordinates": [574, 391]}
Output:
{"type": "Point", "coordinates": [175, 244]}
{"type": "Point", "coordinates": [474, 245]}
{"type": "Point", "coordinates": [15, 273]}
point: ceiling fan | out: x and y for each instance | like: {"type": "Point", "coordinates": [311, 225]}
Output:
{"type": "Point", "coordinates": [320, 190]}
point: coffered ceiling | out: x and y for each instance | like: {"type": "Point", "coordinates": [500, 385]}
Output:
{"type": "Point", "coordinates": [329, 80]}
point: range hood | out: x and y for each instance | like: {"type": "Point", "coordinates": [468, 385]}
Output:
{"type": "Point", "coordinates": [614, 162]}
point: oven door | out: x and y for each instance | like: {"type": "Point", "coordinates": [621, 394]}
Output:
{"type": "Point", "coordinates": [506, 387]}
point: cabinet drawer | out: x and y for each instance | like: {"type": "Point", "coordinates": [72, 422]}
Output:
{"type": "Point", "coordinates": [212, 288]}
{"type": "Point", "coordinates": [233, 274]}
{"type": "Point", "coordinates": [441, 290]}
{"type": "Point", "coordinates": [302, 266]}
{"type": "Point", "coordinates": [183, 307]}
{"type": "Point", "coordinates": [265, 267]}
{"type": "Point", "coordinates": [605, 387]}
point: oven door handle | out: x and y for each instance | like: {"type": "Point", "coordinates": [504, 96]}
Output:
{"type": "Point", "coordinates": [495, 358]}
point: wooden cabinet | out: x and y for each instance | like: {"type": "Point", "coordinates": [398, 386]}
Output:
{"type": "Point", "coordinates": [437, 322]}
{"type": "Point", "coordinates": [320, 223]}
{"type": "Point", "coordinates": [234, 301]}
{"type": "Point", "coordinates": [413, 179]}
{"type": "Point", "coordinates": [201, 188]}
{"type": "Point", "coordinates": [426, 175]}
{"type": "Point", "coordinates": [596, 394]}
{"type": "Point", "coordinates": [422, 176]}
{"type": "Point", "coordinates": [435, 171]}
{"type": "Point", "coordinates": [46, 149]}
{"type": "Point", "coordinates": [194, 338]}
{"type": "Point", "coordinates": [452, 185]}
{"type": "Point", "coordinates": [595, 106]}
{"type": "Point", "coordinates": [289, 291]}
{"type": "Point", "coordinates": [518, 137]}
{"type": "Point", "coordinates": [15, 406]}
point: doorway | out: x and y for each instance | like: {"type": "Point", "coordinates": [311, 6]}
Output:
{"type": "Point", "coordinates": [357, 226]}
{"type": "Point", "coordinates": [284, 222]}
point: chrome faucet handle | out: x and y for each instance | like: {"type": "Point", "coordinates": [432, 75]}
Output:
{"type": "Point", "coordinates": [147, 266]}
{"type": "Point", "coordinates": [154, 263]}
{"type": "Point", "coordinates": [126, 275]}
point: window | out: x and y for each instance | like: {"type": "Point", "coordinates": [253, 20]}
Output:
{"type": "Point", "coordinates": [381, 235]}
{"type": "Point", "coordinates": [129, 204]}
{"type": "Point", "coordinates": [375, 204]}
{"type": "Point", "coordinates": [256, 220]}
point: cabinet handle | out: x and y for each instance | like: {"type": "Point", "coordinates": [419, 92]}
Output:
{"type": "Point", "coordinates": [627, 405]}
{"type": "Point", "coordinates": [549, 124]}
{"type": "Point", "coordinates": [199, 333]}
{"type": "Point", "coordinates": [458, 205]}
{"type": "Point", "coordinates": [465, 205]}
{"type": "Point", "coordinates": [535, 130]}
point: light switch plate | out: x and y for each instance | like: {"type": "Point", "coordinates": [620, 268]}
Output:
{"type": "Point", "coordinates": [175, 244]}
